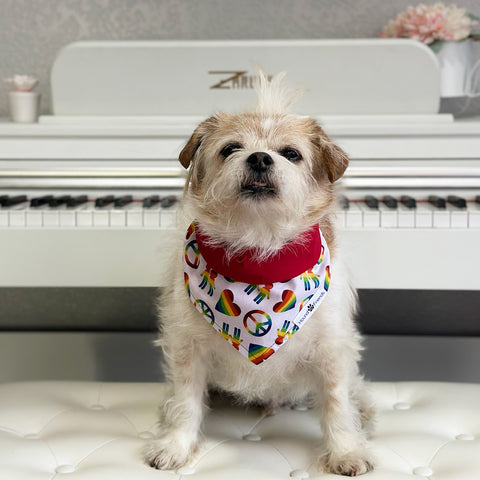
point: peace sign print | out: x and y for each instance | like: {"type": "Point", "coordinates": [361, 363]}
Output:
{"type": "Point", "coordinates": [204, 309]}
{"type": "Point", "coordinates": [257, 323]}
{"type": "Point", "coordinates": [192, 254]}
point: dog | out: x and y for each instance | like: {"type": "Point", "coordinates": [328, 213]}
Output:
{"type": "Point", "coordinates": [261, 187]}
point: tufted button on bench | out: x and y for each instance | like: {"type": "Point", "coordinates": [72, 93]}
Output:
{"type": "Point", "coordinates": [96, 431]}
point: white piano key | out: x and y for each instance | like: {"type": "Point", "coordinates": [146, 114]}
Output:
{"type": "Point", "coordinates": [118, 217]}
{"type": "Point", "coordinates": [51, 218]}
{"type": "Point", "coordinates": [441, 218]}
{"type": "Point", "coordinates": [135, 218]}
{"type": "Point", "coordinates": [101, 217]}
{"type": "Point", "coordinates": [3, 218]}
{"type": "Point", "coordinates": [16, 216]}
{"type": "Point", "coordinates": [17, 219]}
{"type": "Point", "coordinates": [85, 218]}
{"type": "Point", "coordinates": [168, 218]}
{"type": "Point", "coordinates": [151, 217]}
{"type": "Point", "coordinates": [34, 217]}
{"type": "Point", "coordinates": [473, 215]}
{"type": "Point", "coordinates": [406, 217]}
{"type": "Point", "coordinates": [85, 215]}
{"type": "Point", "coordinates": [353, 216]}
{"type": "Point", "coordinates": [424, 216]}
{"type": "Point", "coordinates": [388, 217]}
{"type": "Point", "coordinates": [458, 217]}
{"type": "Point", "coordinates": [67, 218]}
{"type": "Point", "coordinates": [371, 216]}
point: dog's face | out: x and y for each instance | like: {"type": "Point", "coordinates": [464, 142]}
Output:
{"type": "Point", "coordinates": [259, 180]}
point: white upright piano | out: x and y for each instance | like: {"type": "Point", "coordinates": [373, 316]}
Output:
{"type": "Point", "coordinates": [89, 195]}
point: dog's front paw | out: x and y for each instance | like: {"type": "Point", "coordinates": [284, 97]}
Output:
{"type": "Point", "coordinates": [350, 464]}
{"type": "Point", "coordinates": [169, 452]}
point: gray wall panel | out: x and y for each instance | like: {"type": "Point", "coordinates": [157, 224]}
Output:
{"type": "Point", "coordinates": [131, 357]}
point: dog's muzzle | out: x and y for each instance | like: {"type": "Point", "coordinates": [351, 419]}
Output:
{"type": "Point", "coordinates": [258, 183]}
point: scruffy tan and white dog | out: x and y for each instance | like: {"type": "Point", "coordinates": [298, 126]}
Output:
{"type": "Point", "coordinates": [257, 182]}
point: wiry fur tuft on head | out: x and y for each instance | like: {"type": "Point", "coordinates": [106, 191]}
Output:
{"type": "Point", "coordinates": [275, 96]}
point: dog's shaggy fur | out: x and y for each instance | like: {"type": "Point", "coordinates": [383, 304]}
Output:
{"type": "Point", "coordinates": [264, 211]}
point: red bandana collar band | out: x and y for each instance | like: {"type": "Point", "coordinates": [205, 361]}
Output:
{"type": "Point", "coordinates": [257, 306]}
{"type": "Point", "coordinates": [292, 260]}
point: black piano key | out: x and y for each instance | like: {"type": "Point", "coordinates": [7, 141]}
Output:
{"type": "Point", "coordinates": [168, 201]}
{"type": "Point", "coordinates": [390, 201]}
{"type": "Point", "coordinates": [11, 201]}
{"type": "Point", "coordinates": [39, 201]}
{"type": "Point", "coordinates": [408, 201]}
{"type": "Point", "coordinates": [58, 201]}
{"type": "Point", "coordinates": [344, 202]}
{"type": "Point", "coordinates": [371, 202]}
{"type": "Point", "coordinates": [76, 201]}
{"type": "Point", "coordinates": [104, 201]}
{"type": "Point", "coordinates": [436, 201]}
{"type": "Point", "coordinates": [150, 201]}
{"type": "Point", "coordinates": [123, 200]}
{"type": "Point", "coordinates": [477, 199]}
{"type": "Point", "coordinates": [3, 198]}
{"type": "Point", "coordinates": [456, 201]}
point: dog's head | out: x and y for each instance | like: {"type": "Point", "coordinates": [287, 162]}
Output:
{"type": "Point", "coordinates": [258, 179]}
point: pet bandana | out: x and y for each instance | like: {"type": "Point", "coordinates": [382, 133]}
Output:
{"type": "Point", "coordinates": [257, 306]}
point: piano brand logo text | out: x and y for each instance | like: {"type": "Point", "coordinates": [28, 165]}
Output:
{"type": "Point", "coordinates": [232, 79]}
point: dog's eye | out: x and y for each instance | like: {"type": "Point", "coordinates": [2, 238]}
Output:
{"type": "Point", "coordinates": [229, 149]}
{"type": "Point", "coordinates": [290, 154]}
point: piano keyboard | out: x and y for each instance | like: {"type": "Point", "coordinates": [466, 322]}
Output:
{"type": "Point", "coordinates": [154, 211]}
{"type": "Point", "coordinates": [71, 211]}
{"type": "Point", "coordinates": [433, 211]}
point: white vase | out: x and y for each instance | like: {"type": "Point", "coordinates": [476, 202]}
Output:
{"type": "Point", "coordinates": [454, 60]}
{"type": "Point", "coordinates": [24, 106]}
{"type": "Point", "coordinates": [456, 69]}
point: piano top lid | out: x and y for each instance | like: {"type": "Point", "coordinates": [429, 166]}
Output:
{"type": "Point", "coordinates": [197, 78]}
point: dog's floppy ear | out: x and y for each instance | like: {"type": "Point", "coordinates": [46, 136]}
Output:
{"type": "Point", "coordinates": [335, 160]}
{"type": "Point", "coordinates": [190, 149]}
{"type": "Point", "coordinates": [329, 158]}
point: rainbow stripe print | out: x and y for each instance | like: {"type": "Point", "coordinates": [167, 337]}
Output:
{"type": "Point", "coordinates": [305, 300]}
{"type": "Point", "coordinates": [322, 251]}
{"type": "Point", "coordinates": [257, 353]}
{"type": "Point", "coordinates": [327, 278]}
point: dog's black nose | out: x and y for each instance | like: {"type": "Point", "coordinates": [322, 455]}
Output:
{"type": "Point", "coordinates": [259, 161]}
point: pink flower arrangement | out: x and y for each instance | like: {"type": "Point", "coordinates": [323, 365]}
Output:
{"type": "Point", "coordinates": [429, 23]}
{"type": "Point", "coordinates": [21, 83]}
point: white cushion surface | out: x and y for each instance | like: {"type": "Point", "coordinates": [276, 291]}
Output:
{"type": "Point", "coordinates": [76, 431]}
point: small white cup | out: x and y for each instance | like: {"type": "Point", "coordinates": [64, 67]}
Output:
{"type": "Point", "coordinates": [24, 106]}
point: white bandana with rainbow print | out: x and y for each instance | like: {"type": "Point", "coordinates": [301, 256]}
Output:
{"type": "Point", "coordinates": [255, 319]}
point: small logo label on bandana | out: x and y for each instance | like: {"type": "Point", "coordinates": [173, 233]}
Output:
{"type": "Point", "coordinates": [255, 319]}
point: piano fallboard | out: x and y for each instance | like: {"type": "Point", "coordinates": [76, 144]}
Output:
{"type": "Point", "coordinates": [431, 259]}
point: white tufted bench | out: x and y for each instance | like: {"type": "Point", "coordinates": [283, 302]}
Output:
{"type": "Point", "coordinates": [95, 431]}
